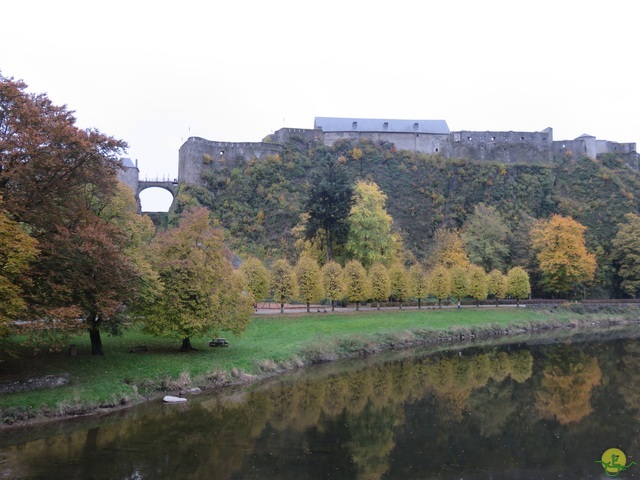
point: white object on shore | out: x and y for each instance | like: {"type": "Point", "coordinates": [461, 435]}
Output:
{"type": "Point", "coordinates": [170, 399]}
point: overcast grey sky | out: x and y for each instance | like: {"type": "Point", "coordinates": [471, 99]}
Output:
{"type": "Point", "coordinates": [154, 73]}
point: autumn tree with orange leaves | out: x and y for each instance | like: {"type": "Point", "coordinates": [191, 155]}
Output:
{"type": "Point", "coordinates": [56, 180]}
{"type": "Point", "coordinates": [17, 251]}
{"type": "Point", "coordinates": [562, 255]}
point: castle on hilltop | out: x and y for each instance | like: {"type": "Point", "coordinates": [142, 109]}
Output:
{"type": "Point", "coordinates": [424, 136]}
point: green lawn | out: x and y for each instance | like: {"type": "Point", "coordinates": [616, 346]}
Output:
{"type": "Point", "coordinates": [270, 343]}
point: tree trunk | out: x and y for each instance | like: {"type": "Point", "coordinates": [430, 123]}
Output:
{"type": "Point", "coordinates": [333, 305]}
{"type": "Point", "coordinates": [282, 308]}
{"type": "Point", "coordinates": [517, 302]}
{"type": "Point", "coordinates": [419, 304]}
{"type": "Point", "coordinates": [477, 303]}
{"type": "Point", "coordinates": [439, 303]}
{"type": "Point", "coordinates": [186, 345]}
{"type": "Point", "coordinates": [96, 341]}
{"type": "Point", "coordinates": [357, 305]}
{"type": "Point", "coordinates": [308, 310]}
{"type": "Point", "coordinates": [378, 305]}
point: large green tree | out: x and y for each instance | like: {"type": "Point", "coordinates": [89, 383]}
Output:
{"type": "Point", "coordinates": [485, 236]}
{"type": "Point", "coordinates": [202, 294]}
{"type": "Point", "coordinates": [370, 237]}
{"type": "Point", "coordinates": [328, 204]}
{"type": "Point", "coordinates": [625, 251]}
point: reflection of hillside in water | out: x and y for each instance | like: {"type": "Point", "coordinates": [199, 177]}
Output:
{"type": "Point", "coordinates": [495, 410]}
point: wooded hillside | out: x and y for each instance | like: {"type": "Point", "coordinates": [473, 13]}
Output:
{"type": "Point", "coordinates": [260, 203]}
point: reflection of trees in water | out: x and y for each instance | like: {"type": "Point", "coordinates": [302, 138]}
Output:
{"type": "Point", "coordinates": [453, 379]}
{"type": "Point", "coordinates": [491, 408]}
{"type": "Point", "coordinates": [372, 439]}
{"type": "Point", "coordinates": [172, 442]}
{"type": "Point", "coordinates": [335, 393]}
{"type": "Point", "coordinates": [564, 392]}
{"type": "Point", "coordinates": [357, 419]}
{"type": "Point", "coordinates": [299, 404]}
{"type": "Point", "coordinates": [211, 439]}
{"type": "Point", "coordinates": [628, 371]}
{"type": "Point", "coordinates": [521, 365]}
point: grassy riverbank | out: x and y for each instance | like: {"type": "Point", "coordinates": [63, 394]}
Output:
{"type": "Point", "coordinates": [270, 344]}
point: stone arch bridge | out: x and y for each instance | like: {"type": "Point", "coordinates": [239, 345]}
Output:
{"type": "Point", "coordinates": [130, 176]}
{"type": "Point", "coordinates": [169, 185]}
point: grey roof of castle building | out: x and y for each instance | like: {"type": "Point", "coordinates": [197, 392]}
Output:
{"type": "Point", "coordinates": [127, 163]}
{"type": "Point", "coordinates": [333, 124]}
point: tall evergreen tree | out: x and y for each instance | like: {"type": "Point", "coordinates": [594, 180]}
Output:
{"type": "Point", "coordinates": [328, 205]}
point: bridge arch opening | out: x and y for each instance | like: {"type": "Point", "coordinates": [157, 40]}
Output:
{"type": "Point", "coordinates": [155, 199]}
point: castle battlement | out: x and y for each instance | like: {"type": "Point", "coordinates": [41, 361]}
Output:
{"type": "Point", "coordinates": [197, 153]}
{"type": "Point", "coordinates": [425, 136]}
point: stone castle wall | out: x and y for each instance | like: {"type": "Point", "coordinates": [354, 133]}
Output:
{"type": "Point", "coordinates": [198, 154]}
{"type": "Point", "coordinates": [504, 147]}
{"type": "Point", "coordinates": [417, 142]}
{"type": "Point", "coordinates": [285, 135]}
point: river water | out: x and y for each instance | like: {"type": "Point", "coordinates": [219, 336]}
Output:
{"type": "Point", "coordinates": [535, 409]}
